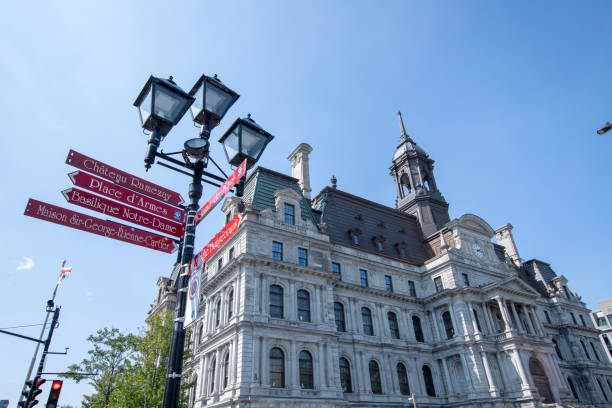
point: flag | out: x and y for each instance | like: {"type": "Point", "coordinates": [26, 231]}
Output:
{"type": "Point", "coordinates": [193, 297]}
{"type": "Point", "coordinates": [64, 273]}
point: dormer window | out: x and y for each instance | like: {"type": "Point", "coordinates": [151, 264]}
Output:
{"type": "Point", "coordinates": [355, 235]}
{"type": "Point", "coordinates": [402, 249]}
{"type": "Point", "coordinates": [379, 242]}
{"type": "Point", "coordinates": [289, 213]}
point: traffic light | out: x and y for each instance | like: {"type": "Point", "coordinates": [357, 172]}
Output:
{"type": "Point", "coordinates": [31, 393]}
{"type": "Point", "coordinates": [56, 388]}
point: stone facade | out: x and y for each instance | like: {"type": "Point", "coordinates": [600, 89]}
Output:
{"type": "Point", "coordinates": [602, 319]}
{"type": "Point", "coordinates": [341, 302]}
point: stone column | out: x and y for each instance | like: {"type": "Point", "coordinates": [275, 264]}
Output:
{"type": "Point", "coordinates": [432, 322]}
{"type": "Point", "coordinates": [290, 302]}
{"type": "Point", "coordinates": [529, 323]}
{"type": "Point", "coordinates": [218, 365]}
{"type": "Point", "coordinates": [331, 365]}
{"type": "Point", "coordinates": [504, 312]}
{"type": "Point", "coordinates": [519, 326]}
{"type": "Point", "coordinates": [353, 327]}
{"type": "Point", "coordinates": [382, 326]}
{"type": "Point", "coordinates": [419, 374]}
{"type": "Point", "coordinates": [447, 382]}
{"type": "Point", "coordinates": [292, 368]}
{"type": "Point", "coordinates": [488, 318]}
{"type": "Point", "coordinates": [525, 384]}
{"type": "Point", "coordinates": [471, 310]}
{"type": "Point", "coordinates": [466, 371]}
{"type": "Point", "coordinates": [366, 373]}
{"type": "Point", "coordinates": [321, 374]}
{"type": "Point", "coordinates": [264, 371]}
{"type": "Point", "coordinates": [502, 372]}
{"type": "Point", "coordinates": [458, 328]}
{"type": "Point", "coordinates": [265, 291]}
{"type": "Point", "coordinates": [485, 364]}
{"type": "Point", "coordinates": [203, 375]}
{"type": "Point", "coordinates": [536, 321]}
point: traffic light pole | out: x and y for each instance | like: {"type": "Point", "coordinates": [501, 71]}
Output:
{"type": "Point", "coordinates": [41, 365]}
{"type": "Point", "coordinates": [42, 332]}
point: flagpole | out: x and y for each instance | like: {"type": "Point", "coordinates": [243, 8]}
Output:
{"type": "Point", "coordinates": [42, 332]}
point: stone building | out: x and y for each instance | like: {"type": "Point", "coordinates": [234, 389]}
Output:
{"type": "Point", "coordinates": [602, 319]}
{"type": "Point", "coordinates": [338, 301]}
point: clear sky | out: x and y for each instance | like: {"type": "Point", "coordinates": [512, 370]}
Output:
{"type": "Point", "coordinates": [505, 96]}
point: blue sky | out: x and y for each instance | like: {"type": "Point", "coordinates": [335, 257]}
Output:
{"type": "Point", "coordinates": [505, 96]}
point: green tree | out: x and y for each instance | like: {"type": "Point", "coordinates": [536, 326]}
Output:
{"type": "Point", "coordinates": [144, 377]}
{"type": "Point", "coordinates": [106, 361]}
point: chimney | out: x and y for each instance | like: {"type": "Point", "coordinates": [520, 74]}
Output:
{"type": "Point", "coordinates": [504, 237]}
{"type": "Point", "coordinates": [300, 169]}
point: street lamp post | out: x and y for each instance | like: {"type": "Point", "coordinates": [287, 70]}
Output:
{"type": "Point", "coordinates": [161, 105]}
{"type": "Point", "coordinates": [605, 128]}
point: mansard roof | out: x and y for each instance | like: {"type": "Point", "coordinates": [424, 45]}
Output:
{"type": "Point", "coordinates": [263, 183]}
{"type": "Point", "coordinates": [345, 214]}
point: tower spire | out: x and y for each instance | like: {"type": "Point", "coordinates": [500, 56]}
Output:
{"type": "Point", "coordinates": [404, 135]}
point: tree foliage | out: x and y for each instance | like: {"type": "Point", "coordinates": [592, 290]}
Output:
{"type": "Point", "coordinates": [139, 379]}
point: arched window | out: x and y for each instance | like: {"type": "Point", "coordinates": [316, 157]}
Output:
{"type": "Point", "coordinates": [429, 384]}
{"type": "Point", "coordinates": [573, 388]}
{"type": "Point", "coordinates": [200, 332]}
{"type": "Point", "coordinates": [393, 327]}
{"type": "Point", "coordinates": [402, 379]}
{"type": "Point", "coordinates": [230, 304]}
{"type": "Point", "coordinates": [477, 320]}
{"type": "Point", "coordinates": [345, 375]}
{"type": "Point", "coordinates": [405, 183]}
{"type": "Point", "coordinates": [366, 318]}
{"type": "Point", "coordinates": [375, 377]}
{"type": "Point", "coordinates": [557, 349]}
{"type": "Point", "coordinates": [306, 380]}
{"type": "Point", "coordinates": [276, 301]}
{"type": "Point", "coordinates": [277, 368]}
{"type": "Point", "coordinates": [586, 353]}
{"type": "Point", "coordinates": [339, 316]}
{"type": "Point", "coordinates": [213, 366]}
{"type": "Point", "coordinates": [602, 390]}
{"type": "Point", "coordinates": [218, 313]}
{"type": "Point", "coordinates": [448, 325]}
{"type": "Point", "coordinates": [303, 300]}
{"type": "Point", "coordinates": [595, 351]}
{"type": "Point", "coordinates": [226, 371]}
{"type": "Point", "coordinates": [192, 393]}
{"type": "Point", "coordinates": [418, 330]}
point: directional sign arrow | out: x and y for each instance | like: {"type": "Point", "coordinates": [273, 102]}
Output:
{"type": "Point", "coordinates": [80, 161]}
{"type": "Point", "coordinates": [105, 228]}
{"type": "Point", "coordinates": [105, 206]}
{"type": "Point", "coordinates": [126, 196]}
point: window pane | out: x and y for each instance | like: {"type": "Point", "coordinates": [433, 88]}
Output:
{"type": "Point", "coordinates": [339, 316]}
{"type": "Point", "coordinates": [277, 251]}
{"type": "Point", "coordinates": [366, 317]}
{"type": "Point", "coordinates": [335, 268]}
{"type": "Point", "coordinates": [306, 380]}
{"type": "Point", "coordinates": [302, 256]}
{"type": "Point", "coordinates": [212, 375]}
{"type": "Point", "coordinates": [428, 378]}
{"type": "Point", "coordinates": [345, 375]}
{"type": "Point", "coordinates": [226, 371]}
{"type": "Point", "coordinates": [276, 301]}
{"type": "Point", "coordinates": [375, 377]}
{"type": "Point", "coordinates": [402, 379]}
{"type": "Point", "coordinates": [363, 275]}
{"type": "Point", "coordinates": [277, 368]}
{"type": "Point", "coordinates": [303, 298]}
{"type": "Point", "coordinates": [412, 288]}
{"type": "Point", "coordinates": [230, 304]}
{"type": "Point", "coordinates": [438, 283]}
{"type": "Point", "coordinates": [466, 280]}
{"type": "Point", "coordinates": [388, 283]}
{"type": "Point", "coordinates": [289, 214]}
{"type": "Point", "coordinates": [448, 325]}
{"type": "Point", "coordinates": [418, 331]}
{"type": "Point", "coordinates": [393, 327]}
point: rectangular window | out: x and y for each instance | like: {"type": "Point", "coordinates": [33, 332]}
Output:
{"type": "Point", "coordinates": [573, 318]}
{"type": "Point", "coordinates": [567, 293]}
{"type": "Point", "coordinates": [277, 250]}
{"type": "Point", "coordinates": [388, 283]}
{"type": "Point", "coordinates": [609, 319]}
{"type": "Point", "coordinates": [303, 256]}
{"type": "Point", "coordinates": [601, 321]}
{"type": "Point", "coordinates": [289, 214]}
{"type": "Point", "coordinates": [220, 264]}
{"type": "Point", "coordinates": [363, 275]}
{"type": "Point", "coordinates": [411, 288]}
{"type": "Point", "coordinates": [547, 316]}
{"type": "Point", "coordinates": [231, 254]}
{"type": "Point", "coordinates": [335, 268]}
{"type": "Point", "coordinates": [438, 283]}
{"type": "Point", "coordinates": [466, 279]}
{"type": "Point", "coordinates": [582, 320]}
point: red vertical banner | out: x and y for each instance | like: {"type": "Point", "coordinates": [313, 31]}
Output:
{"type": "Point", "coordinates": [228, 230]}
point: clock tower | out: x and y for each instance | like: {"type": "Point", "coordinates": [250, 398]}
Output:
{"type": "Point", "coordinates": [417, 191]}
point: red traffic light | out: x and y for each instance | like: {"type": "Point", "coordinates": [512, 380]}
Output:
{"type": "Point", "coordinates": [56, 388]}
{"type": "Point", "coordinates": [56, 385]}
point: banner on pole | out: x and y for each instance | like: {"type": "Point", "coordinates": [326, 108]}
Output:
{"type": "Point", "coordinates": [228, 230]}
{"type": "Point", "coordinates": [222, 191]}
{"type": "Point", "coordinates": [193, 297]}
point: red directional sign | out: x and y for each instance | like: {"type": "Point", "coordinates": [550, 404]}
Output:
{"type": "Point", "coordinates": [215, 243]}
{"type": "Point", "coordinates": [120, 177]}
{"type": "Point", "coordinates": [225, 187]}
{"type": "Point", "coordinates": [105, 206]}
{"type": "Point", "coordinates": [126, 196]}
{"type": "Point", "coordinates": [105, 228]}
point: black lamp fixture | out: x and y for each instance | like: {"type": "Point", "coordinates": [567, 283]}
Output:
{"type": "Point", "coordinates": [161, 104]}
{"type": "Point", "coordinates": [212, 101]}
{"type": "Point", "coordinates": [245, 139]}
{"type": "Point", "coordinates": [605, 129]}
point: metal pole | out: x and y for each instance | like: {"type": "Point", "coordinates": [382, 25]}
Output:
{"type": "Point", "coordinates": [177, 346]}
{"type": "Point", "coordinates": [41, 365]}
{"type": "Point", "coordinates": [42, 332]}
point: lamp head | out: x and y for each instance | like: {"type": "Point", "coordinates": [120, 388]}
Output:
{"type": "Point", "coordinates": [212, 100]}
